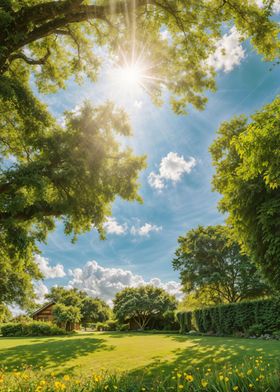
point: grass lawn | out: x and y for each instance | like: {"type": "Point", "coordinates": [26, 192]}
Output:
{"type": "Point", "coordinates": [129, 352]}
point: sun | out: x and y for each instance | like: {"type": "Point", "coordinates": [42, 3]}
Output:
{"type": "Point", "coordinates": [129, 76]}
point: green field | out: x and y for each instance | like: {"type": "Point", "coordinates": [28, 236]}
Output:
{"type": "Point", "coordinates": [86, 352]}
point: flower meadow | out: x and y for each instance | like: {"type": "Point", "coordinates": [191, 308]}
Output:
{"type": "Point", "coordinates": [254, 374]}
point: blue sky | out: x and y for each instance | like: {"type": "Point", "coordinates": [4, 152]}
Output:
{"type": "Point", "coordinates": [143, 238]}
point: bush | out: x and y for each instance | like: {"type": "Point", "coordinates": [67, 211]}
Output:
{"type": "Point", "coordinates": [110, 325]}
{"type": "Point", "coordinates": [254, 317]}
{"type": "Point", "coordinates": [255, 330]}
{"type": "Point", "coordinates": [185, 321]}
{"type": "Point", "coordinates": [124, 327]}
{"type": "Point", "coordinates": [35, 328]}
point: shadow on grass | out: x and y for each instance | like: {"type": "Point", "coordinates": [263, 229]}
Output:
{"type": "Point", "coordinates": [210, 352]}
{"type": "Point", "coordinates": [51, 353]}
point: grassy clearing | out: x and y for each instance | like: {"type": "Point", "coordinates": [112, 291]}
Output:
{"type": "Point", "coordinates": [94, 352]}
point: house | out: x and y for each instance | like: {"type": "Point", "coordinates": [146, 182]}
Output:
{"type": "Point", "coordinates": [45, 314]}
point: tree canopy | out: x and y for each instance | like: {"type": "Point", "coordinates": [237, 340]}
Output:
{"type": "Point", "coordinates": [247, 161]}
{"type": "Point", "coordinates": [92, 310]}
{"type": "Point", "coordinates": [75, 172]}
{"type": "Point", "coordinates": [142, 304]}
{"type": "Point", "coordinates": [208, 259]}
{"type": "Point", "coordinates": [57, 39]}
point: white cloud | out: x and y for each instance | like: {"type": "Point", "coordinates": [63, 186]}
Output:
{"type": "Point", "coordinates": [155, 181]}
{"type": "Point", "coordinates": [229, 52]}
{"type": "Point", "coordinates": [145, 230]}
{"type": "Point", "coordinates": [172, 167]}
{"type": "Point", "coordinates": [40, 290]}
{"type": "Point", "coordinates": [56, 271]}
{"type": "Point", "coordinates": [96, 280]}
{"type": "Point", "coordinates": [113, 227]}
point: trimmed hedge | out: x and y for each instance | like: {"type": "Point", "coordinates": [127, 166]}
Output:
{"type": "Point", "coordinates": [185, 321]}
{"type": "Point", "coordinates": [35, 328]}
{"type": "Point", "coordinates": [235, 318]}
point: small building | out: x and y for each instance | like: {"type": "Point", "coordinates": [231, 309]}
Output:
{"type": "Point", "coordinates": [45, 314]}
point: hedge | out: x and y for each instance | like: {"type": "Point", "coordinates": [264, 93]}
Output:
{"type": "Point", "coordinates": [35, 328]}
{"type": "Point", "coordinates": [185, 321]}
{"type": "Point", "coordinates": [235, 318]}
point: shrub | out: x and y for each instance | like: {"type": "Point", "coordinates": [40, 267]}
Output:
{"type": "Point", "coordinates": [124, 327]}
{"type": "Point", "coordinates": [255, 330]}
{"type": "Point", "coordinates": [185, 321]}
{"type": "Point", "coordinates": [35, 328]}
{"type": "Point", "coordinates": [254, 317]}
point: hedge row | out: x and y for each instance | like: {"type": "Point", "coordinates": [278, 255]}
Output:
{"type": "Point", "coordinates": [35, 328]}
{"type": "Point", "coordinates": [185, 321]}
{"type": "Point", "coordinates": [235, 318]}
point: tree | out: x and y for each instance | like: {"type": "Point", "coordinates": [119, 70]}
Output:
{"type": "Point", "coordinates": [142, 304]}
{"type": "Point", "coordinates": [73, 174]}
{"type": "Point", "coordinates": [94, 310]}
{"type": "Point", "coordinates": [246, 157]}
{"type": "Point", "coordinates": [67, 297]}
{"type": "Point", "coordinates": [57, 39]}
{"type": "Point", "coordinates": [48, 172]}
{"type": "Point", "coordinates": [208, 258]}
{"type": "Point", "coordinates": [66, 316]}
{"type": "Point", "coordinates": [5, 314]}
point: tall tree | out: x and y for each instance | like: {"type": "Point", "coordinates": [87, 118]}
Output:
{"type": "Point", "coordinates": [72, 173]}
{"type": "Point", "coordinates": [94, 310]}
{"type": "Point", "coordinates": [247, 161]}
{"type": "Point", "coordinates": [67, 297]}
{"type": "Point", "coordinates": [207, 258]}
{"type": "Point", "coordinates": [142, 304]}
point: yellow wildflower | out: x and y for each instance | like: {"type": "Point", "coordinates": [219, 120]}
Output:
{"type": "Point", "coordinates": [251, 386]}
{"type": "Point", "coordinates": [181, 386]}
{"type": "Point", "coordinates": [235, 388]}
{"type": "Point", "coordinates": [226, 379]}
{"type": "Point", "coordinates": [189, 378]}
{"type": "Point", "coordinates": [204, 383]}
{"type": "Point", "coordinates": [261, 376]}
{"type": "Point", "coordinates": [249, 372]}
{"type": "Point", "coordinates": [115, 387]}
{"type": "Point", "coordinates": [179, 375]}
{"type": "Point", "coordinates": [66, 378]}
{"type": "Point", "coordinates": [221, 378]}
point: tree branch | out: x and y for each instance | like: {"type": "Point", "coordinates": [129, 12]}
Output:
{"type": "Point", "coordinates": [29, 60]}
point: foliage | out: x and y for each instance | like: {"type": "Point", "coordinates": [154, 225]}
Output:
{"type": "Point", "coordinates": [74, 173]}
{"type": "Point", "coordinates": [204, 297]}
{"type": "Point", "coordinates": [207, 258]}
{"type": "Point", "coordinates": [66, 316]}
{"type": "Point", "coordinates": [109, 325]}
{"type": "Point", "coordinates": [234, 318]}
{"type": "Point", "coordinates": [255, 330]}
{"type": "Point", "coordinates": [185, 320]}
{"type": "Point", "coordinates": [67, 297]}
{"type": "Point", "coordinates": [254, 374]}
{"type": "Point", "coordinates": [94, 310]}
{"type": "Point", "coordinates": [5, 314]}
{"type": "Point", "coordinates": [141, 304]}
{"type": "Point", "coordinates": [57, 40]}
{"type": "Point", "coordinates": [246, 157]}
{"type": "Point", "coordinates": [34, 328]}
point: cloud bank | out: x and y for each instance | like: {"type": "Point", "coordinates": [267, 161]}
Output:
{"type": "Point", "coordinates": [103, 282]}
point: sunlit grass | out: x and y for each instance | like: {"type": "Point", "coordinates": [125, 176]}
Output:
{"type": "Point", "coordinates": [92, 352]}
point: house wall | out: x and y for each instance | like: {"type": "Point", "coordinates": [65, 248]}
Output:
{"type": "Point", "coordinates": [44, 315]}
